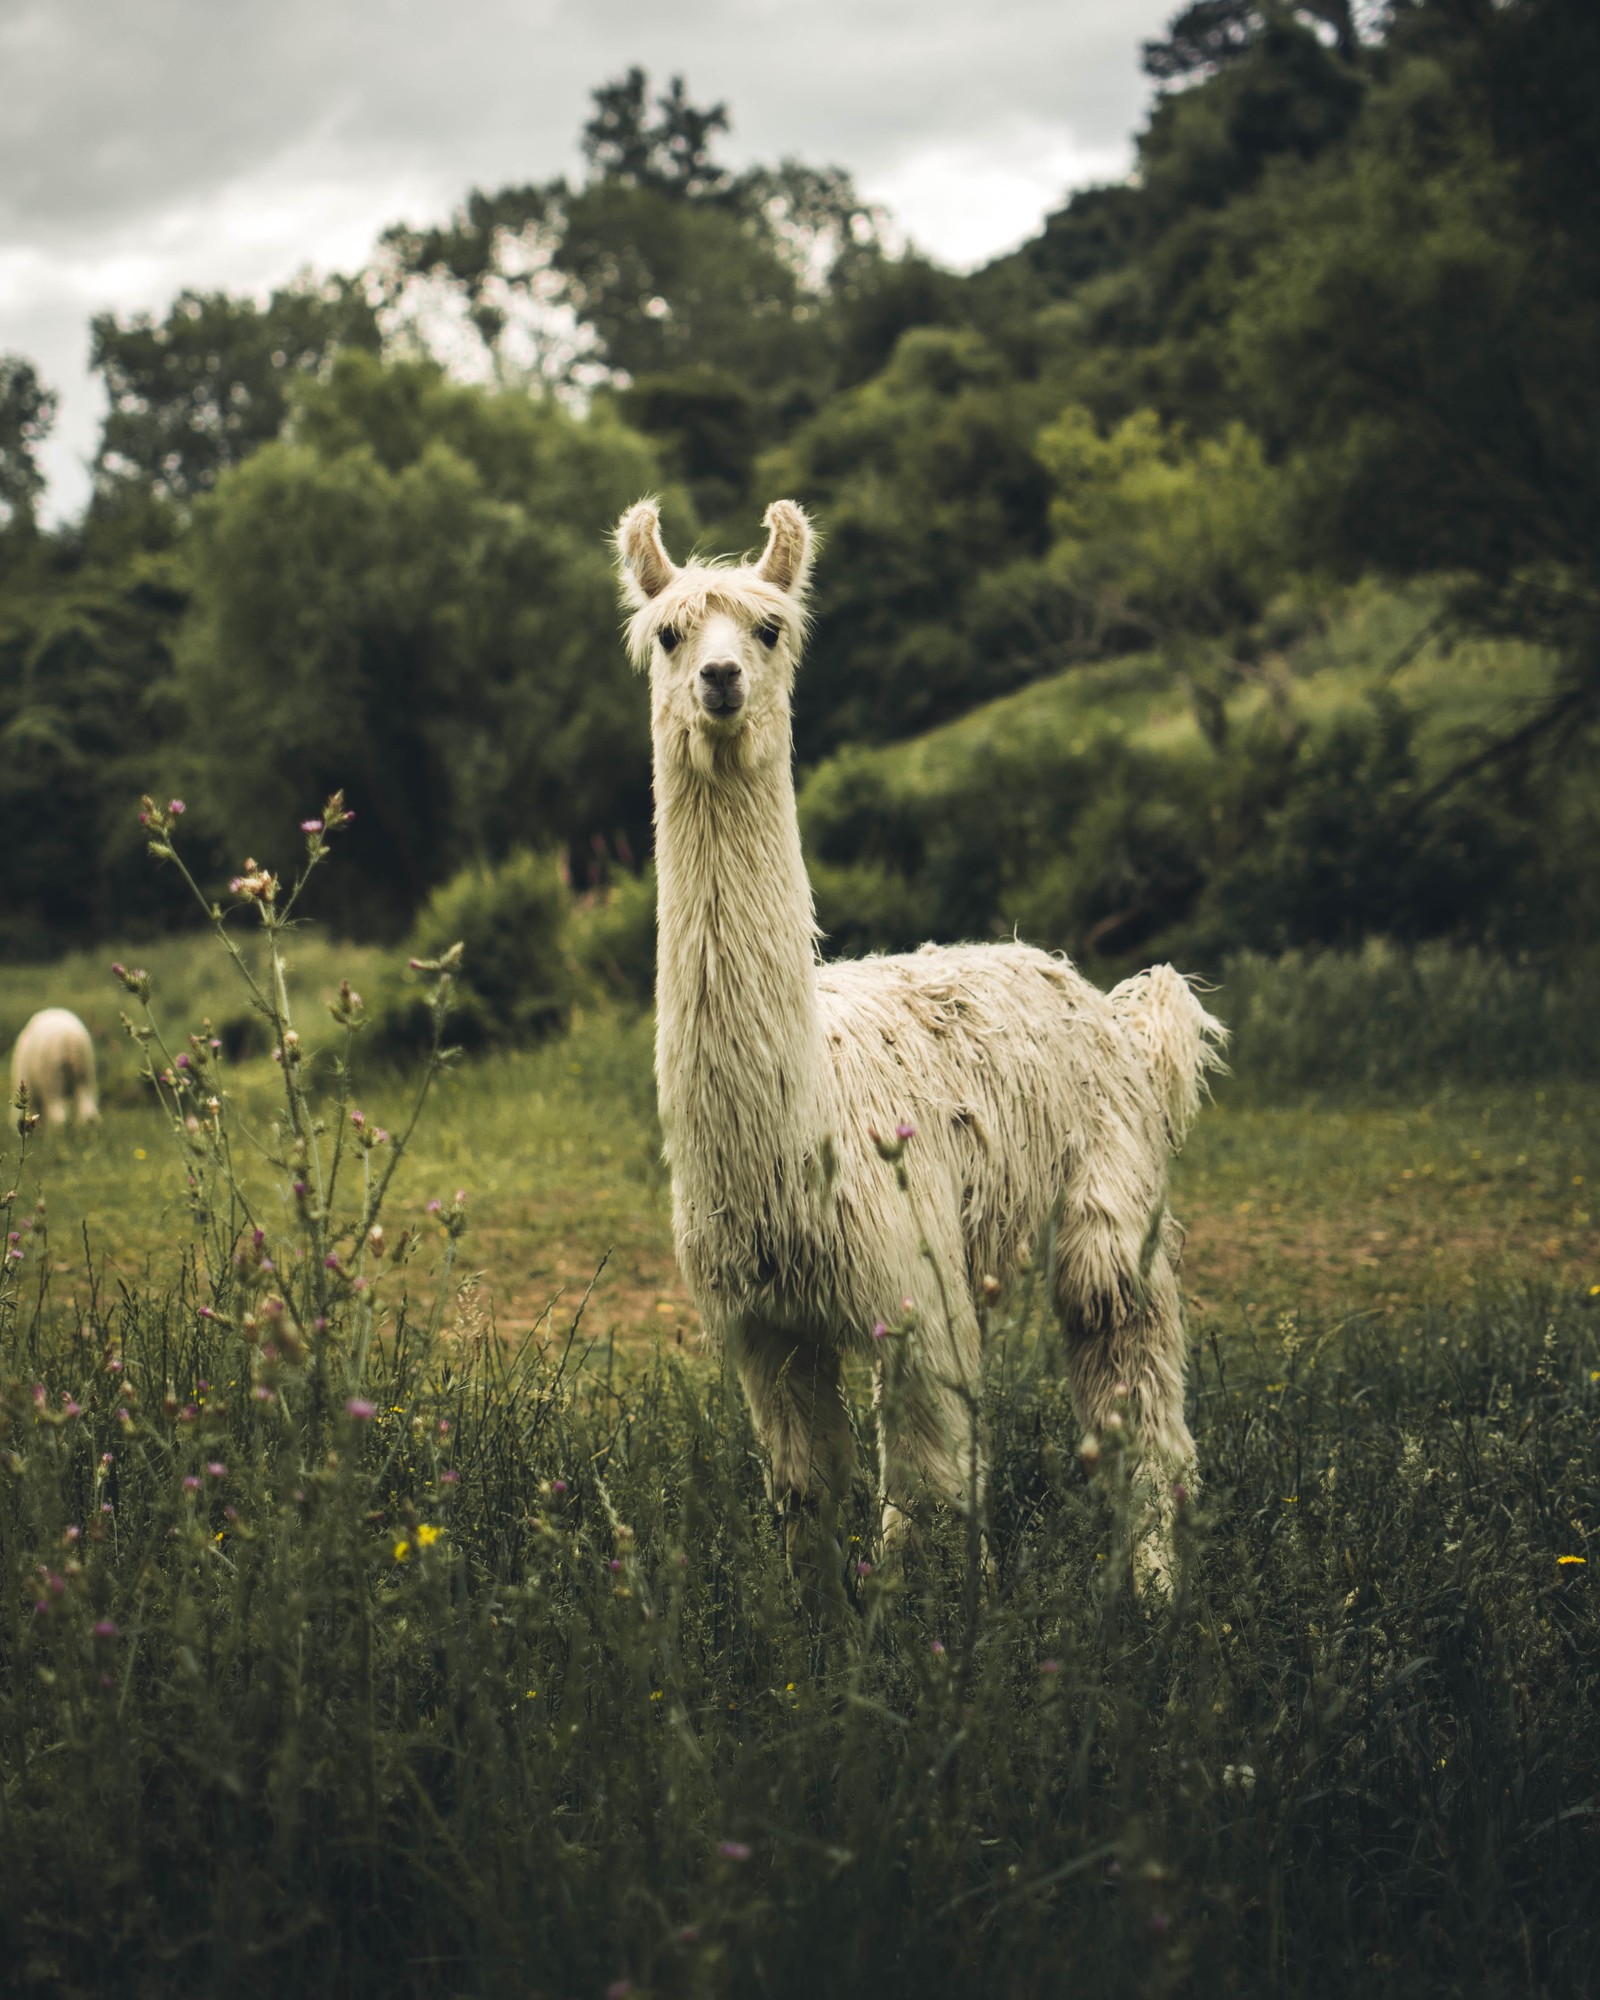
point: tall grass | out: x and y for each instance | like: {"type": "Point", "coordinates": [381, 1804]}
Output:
{"type": "Point", "coordinates": [505, 1687]}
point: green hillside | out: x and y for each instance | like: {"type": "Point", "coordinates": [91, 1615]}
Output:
{"type": "Point", "coordinates": [1111, 810]}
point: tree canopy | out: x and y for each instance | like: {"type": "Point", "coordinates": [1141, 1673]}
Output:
{"type": "Point", "coordinates": [1335, 334]}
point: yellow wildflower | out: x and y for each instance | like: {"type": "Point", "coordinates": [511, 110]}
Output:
{"type": "Point", "coordinates": [1571, 1559]}
{"type": "Point", "coordinates": [427, 1535]}
{"type": "Point", "coordinates": [655, 1694]}
{"type": "Point", "coordinates": [402, 1549]}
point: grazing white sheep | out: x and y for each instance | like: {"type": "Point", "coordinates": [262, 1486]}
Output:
{"type": "Point", "coordinates": [1039, 1104]}
{"type": "Point", "coordinates": [54, 1057]}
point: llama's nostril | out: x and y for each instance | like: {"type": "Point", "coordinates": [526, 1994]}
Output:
{"type": "Point", "coordinates": [720, 685]}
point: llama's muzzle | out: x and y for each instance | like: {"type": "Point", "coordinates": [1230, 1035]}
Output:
{"type": "Point", "coordinates": [722, 688]}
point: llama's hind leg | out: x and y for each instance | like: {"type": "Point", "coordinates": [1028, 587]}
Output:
{"type": "Point", "coordinates": [796, 1395]}
{"type": "Point", "coordinates": [1132, 1370]}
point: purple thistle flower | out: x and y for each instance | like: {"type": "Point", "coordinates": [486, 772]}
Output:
{"type": "Point", "coordinates": [938, 1649]}
{"type": "Point", "coordinates": [435, 1205]}
{"type": "Point", "coordinates": [1049, 1666]}
{"type": "Point", "coordinates": [190, 1483]}
{"type": "Point", "coordinates": [105, 1628]}
{"type": "Point", "coordinates": [176, 807]}
{"type": "Point", "coordinates": [733, 1850]}
{"type": "Point", "coordinates": [558, 1486]}
{"type": "Point", "coordinates": [905, 1130]}
{"type": "Point", "coordinates": [359, 1408]}
{"type": "Point", "coordinates": [331, 1261]}
{"type": "Point", "coordinates": [311, 826]}
{"type": "Point", "coordinates": [450, 1478]}
{"type": "Point", "coordinates": [880, 1331]}
{"type": "Point", "coordinates": [217, 1469]}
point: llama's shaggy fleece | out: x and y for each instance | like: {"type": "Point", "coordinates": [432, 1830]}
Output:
{"type": "Point", "coordinates": [1044, 1110]}
{"type": "Point", "coordinates": [54, 1057]}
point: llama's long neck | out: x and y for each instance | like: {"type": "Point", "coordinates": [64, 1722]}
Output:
{"type": "Point", "coordinates": [739, 1049]}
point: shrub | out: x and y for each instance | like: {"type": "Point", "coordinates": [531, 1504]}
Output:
{"type": "Point", "coordinates": [515, 980]}
{"type": "Point", "coordinates": [614, 938]}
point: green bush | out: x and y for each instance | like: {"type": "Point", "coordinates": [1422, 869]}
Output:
{"type": "Point", "coordinates": [614, 938]}
{"type": "Point", "coordinates": [516, 979]}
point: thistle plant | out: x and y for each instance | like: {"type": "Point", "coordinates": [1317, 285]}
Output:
{"type": "Point", "coordinates": [285, 1273]}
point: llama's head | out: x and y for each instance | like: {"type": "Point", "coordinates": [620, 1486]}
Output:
{"type": "Point", "coordinates": [720, 640]}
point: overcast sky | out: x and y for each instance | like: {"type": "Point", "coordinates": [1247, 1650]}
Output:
{"type": "Point", "coordinates": [146, 145]}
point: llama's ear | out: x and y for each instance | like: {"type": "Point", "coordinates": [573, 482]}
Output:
{"type": "Point", "coordinates": [786, 560]}
{"type": "Point", "coordinates": [646, 567]}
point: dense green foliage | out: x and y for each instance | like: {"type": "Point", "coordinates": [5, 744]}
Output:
{"type": "Point", "coordinates": [1338, 330]}
{"type": "Point", "coordinates": [516, 980]}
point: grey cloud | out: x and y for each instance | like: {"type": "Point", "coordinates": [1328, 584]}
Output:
{"type": "Point", "coordinates": [113, 110]}
{"type": "Point", "coordinates": [148, 146]}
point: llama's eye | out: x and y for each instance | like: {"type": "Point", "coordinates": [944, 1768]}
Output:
{"type": "Point", "coordinates": [669, 635]}
{"type": "Point", "coordinates": [768, 634]}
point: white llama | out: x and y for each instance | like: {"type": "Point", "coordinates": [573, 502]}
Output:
{"type": "Point", "coordinates": [1038, 1102]}
{"type": "Point", "coordinates": [54, 1057]}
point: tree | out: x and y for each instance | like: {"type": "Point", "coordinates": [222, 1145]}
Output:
{"type": "Point", "coordinates": [1208, 35]}
{"type": "Point", "coordinates": [27, 417]}
{"type": "Point", "coordinates": [1420, 344]}
{"type": "Point", "coordinates": [85, 726]}
{"type": "Point", "coordinates": [671, 154]}
{"type": "Point", "coordinates": [414, 600]}
{"type": "Point", "coordinates": [201, 389]}
{"type": "Point", "coordinates": [666, 259]}
{"type": "Point", "coordinates": [926, 478]}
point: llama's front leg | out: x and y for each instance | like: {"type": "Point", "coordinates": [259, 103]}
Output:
{"type": "Point", "coordinates": [930, 1438]}
{"type": "Point", "coordinates": [796, 1397]}
{"type": "Point", "coordinates": [1131, 1372]}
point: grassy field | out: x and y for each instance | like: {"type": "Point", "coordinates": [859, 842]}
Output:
{"type": "Point", "coordinates": [1315, 1207]}
{"type": "Point", "coordinates": [448, 1664]}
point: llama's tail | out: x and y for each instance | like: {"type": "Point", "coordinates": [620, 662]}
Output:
{"type": "Point", "coordinates": [1177, 1037]}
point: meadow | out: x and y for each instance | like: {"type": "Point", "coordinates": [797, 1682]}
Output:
{"type": "Point", "coordinates": [464, 1659]}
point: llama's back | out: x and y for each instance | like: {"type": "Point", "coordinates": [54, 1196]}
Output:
{"type": "Point", "coordinates": [54, 1056]}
